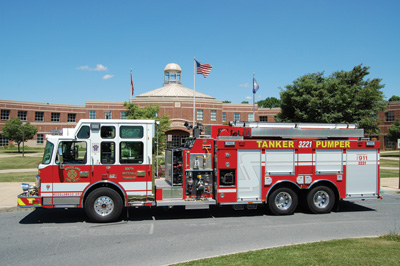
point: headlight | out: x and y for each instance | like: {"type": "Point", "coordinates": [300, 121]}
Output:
{"type": "Point", "coordinates": [25, 186]}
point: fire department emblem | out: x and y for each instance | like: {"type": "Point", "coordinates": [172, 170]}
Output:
{"type": "Point", "coordinates": [72, 176]}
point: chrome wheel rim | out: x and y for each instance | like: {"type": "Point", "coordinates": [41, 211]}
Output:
{"type": "Point", "coordinates": [283, 200]}
{"type": "Point", "coordinates": [321, 199]}
{"type": "Point", "coordinates": [103, 205]}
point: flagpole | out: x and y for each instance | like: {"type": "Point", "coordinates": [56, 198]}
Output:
{"type": "Point", "coordinates": [194, 90]}
{"type": "Point", "coordinates": [254, 108]}
{"type": "Point", "coordinates": [130, 94]}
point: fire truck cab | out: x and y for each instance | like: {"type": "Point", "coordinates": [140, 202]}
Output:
{"type": "Point", "coordinates": [105, 165]}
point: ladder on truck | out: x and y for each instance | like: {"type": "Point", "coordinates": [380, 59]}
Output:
{"type": "Point", "coordinates": [301, 130]}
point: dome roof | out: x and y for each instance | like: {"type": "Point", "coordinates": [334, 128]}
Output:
{"type": "Point", "coordinates": [174, 91]}
{"type": "Point", "coordinates": [172, 66]}
{"type": "Point", "coordinates": [173, 88]}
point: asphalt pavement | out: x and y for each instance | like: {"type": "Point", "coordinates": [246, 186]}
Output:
{"type": "Point", "coordinates": [162, 236]}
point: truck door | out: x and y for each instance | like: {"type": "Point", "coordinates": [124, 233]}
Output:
{"type": "Point", "coordinates": [249, 175]}
{"type": "Point", "coordinates": [362, 173]}
{"type": "Point", "coordinates": [73, 173]}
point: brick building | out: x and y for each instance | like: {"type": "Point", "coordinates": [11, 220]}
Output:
{"type": "Point", "coordinates": [173, 98]}
{"type": "Point", "coordinates": [387, 119]}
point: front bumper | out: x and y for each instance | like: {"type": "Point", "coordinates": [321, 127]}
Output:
{"type": "Point", "coordinates": [26, 201]}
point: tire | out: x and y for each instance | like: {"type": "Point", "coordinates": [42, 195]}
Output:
{"type": "Point", "coordinates": [103, 205]}
{"type": "Point", "coordinates": [320, 199]}
{"type": "Point", "coordinates": [283, 201]}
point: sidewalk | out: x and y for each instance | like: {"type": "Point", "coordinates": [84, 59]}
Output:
{"type": "Point", "coordinates": [9, 192]}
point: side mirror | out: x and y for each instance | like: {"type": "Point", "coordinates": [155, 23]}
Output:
{"type": "Point", "coordinates": [60, 159]}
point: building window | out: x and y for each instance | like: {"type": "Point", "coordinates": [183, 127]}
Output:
{"type": "Point", "coordinates": [3, 141]}
{"type": "Point", "coordinates": [55, 117]}
{"type": "Point", "coordinates": [176, 141]}
{"type": "Point", "coordinates": [39, 116]}
{"type": "Point", "coordinates": [213, 115]}
{"type": "Point", "coordinates": [236, 117]}
{"type": "Point", "coordinates": [250, 117]}
{"type": "Point", "coordinates": [200, 115]}
{"type": "Point", "coordinates": [263, 118]}
{"type": "Point", "coordinates": [22, 115]}
{"type": "Point", "coordinates": [389, 144]}
{"type": "Point", "coordinates": [123, 114]}
{"type": "Point", "coordinates": [223, 117]}
{"type": "Point", "coordinates": [92, 114]}
{"type": "Point", "coordinates": [389, 116]}
{"type": "Point", "coordinates": [108, 114]}
{"type": "Point", "coordinates": [39, 139]}
{"type": "Point", "coordinates": [71, 117]}
{"type": "Point", "coordinates": [5, 114]}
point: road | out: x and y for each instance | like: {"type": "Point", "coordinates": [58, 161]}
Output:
{"type": "Point", "coordinates": [159, 236]}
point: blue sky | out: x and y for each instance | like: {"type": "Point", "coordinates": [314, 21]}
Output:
{"type": "Point", "coordinates": [73, 51]}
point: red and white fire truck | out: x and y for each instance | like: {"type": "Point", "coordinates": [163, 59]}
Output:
{"type": "Point", "coordinates": [106, 165]}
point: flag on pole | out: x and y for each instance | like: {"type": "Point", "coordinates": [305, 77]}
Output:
{"type": "Point", "coordinates": [133, 89]}
{"type": "Point", "coordinates": [203, 69]}
{"type": "Point", "coordinates": [255, 85]}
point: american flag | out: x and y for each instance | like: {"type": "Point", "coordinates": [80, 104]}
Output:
{"type": "Point", "coordinates": [203, 69]}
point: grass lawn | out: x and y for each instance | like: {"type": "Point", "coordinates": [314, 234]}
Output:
{"type": "Point", "coordinates": [18, 177]}
{"type": "Point", "coordinates": [19, 162]}
{"type": "Point", "coordinates": [389, 163]}
{"type": "Point", "coordinates": [384, 250]}
{"type": "Point", "coordinates": [389, 173]}
{"type": "Point", "coordinates": [26, 150]}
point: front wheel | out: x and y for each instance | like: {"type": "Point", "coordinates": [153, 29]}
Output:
{"type": "Point", "coordinates": [320, 199]}
{"type": "Point", "coordinates": [103, 205]}
{"type": "Point", "coordinates": [282, 201]}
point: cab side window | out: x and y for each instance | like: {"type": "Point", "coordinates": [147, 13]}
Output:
{"type": "Point", "coordinates": [74, 152]}
{"type": "Point", "coordinates": [131, 152]}
{"type": "Point", "coordinates": [131, 132]}
{"type": "Point", "coordinates": [84, 132]}
{"type": "Point", "coordinates": [107, 151]}
{"type": "Point", "coordinates": [107, 132]}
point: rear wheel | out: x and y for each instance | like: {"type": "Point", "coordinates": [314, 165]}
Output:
{"type": "Point", "coordinates": [283, 201]}
{"type": "Point", "coordinates": [103, 205]}
{"type": "Point", "coordinates": [320, 199]}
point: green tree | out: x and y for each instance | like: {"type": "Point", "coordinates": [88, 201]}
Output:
{"type": "Point", "coordinates": [343, 97]}
{"type": "Point", "coordinates": [394, 98]}
{"type": "Point", "coordinates": [269, 102]}
{"type": "Point", "coordinates": [226, 101]}
{"type": "Point", "coordinates": [245, 102]}
{"type": "Point", "coordinates": [14, 130]}
{"type": "Point", "coordinates": [150, 112]}
{"type": "Point", "coordinates": [394, 131]}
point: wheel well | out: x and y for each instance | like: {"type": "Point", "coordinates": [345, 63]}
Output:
{"type": "Point", "coordinates": [104, 184]}
{"type": "Point", "coordinates": [285, 184]}
{"type": "Point", "coordinates": [331, 186]}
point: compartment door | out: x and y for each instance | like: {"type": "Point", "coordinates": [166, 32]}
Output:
{"type": "Point", "coordinates": [249, 175]}
{"type": "Point", "coordinates": [362, 173]}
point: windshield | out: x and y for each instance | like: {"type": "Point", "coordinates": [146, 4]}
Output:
{"type": "Point", "coordinates": [48, 151]}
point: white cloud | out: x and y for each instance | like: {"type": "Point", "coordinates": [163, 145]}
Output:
{"type": "Point", "coordinates": [246, 85]}
{"type": "Point", "coordinates": [83, 68]}
{"type": "Point", "coordinates": [108, 76]}
{"type": "Point", "coordinates": [99, 67]}
{"type": "Point", "coordinates": [249, 97]}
